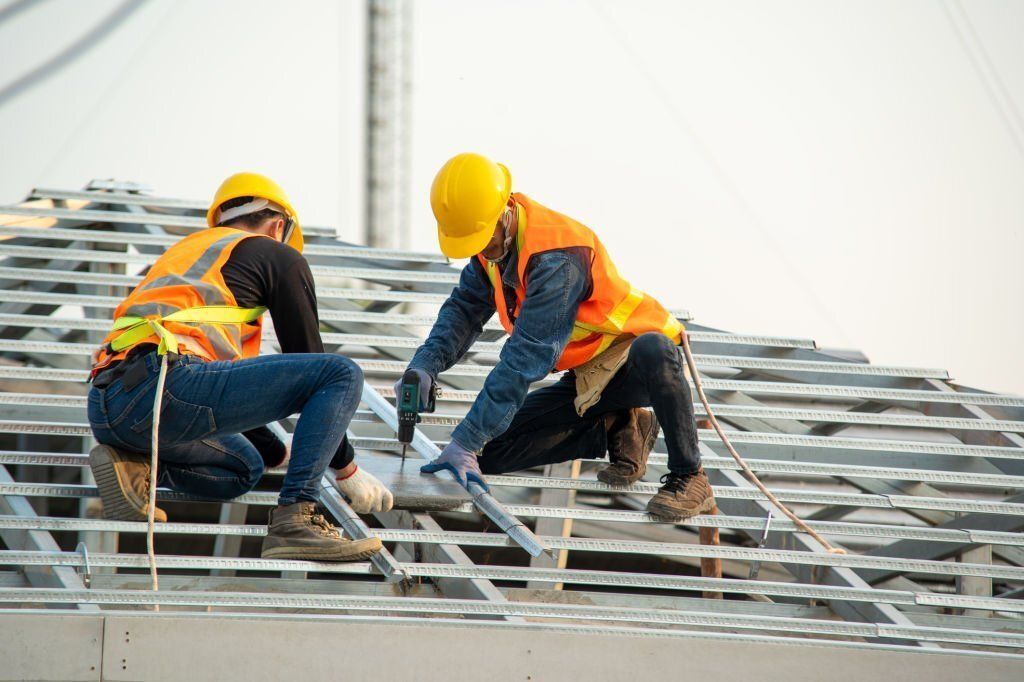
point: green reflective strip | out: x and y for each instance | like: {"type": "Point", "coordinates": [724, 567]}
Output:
{"type": "Point", "coordinates": [216, 314]}
{"type": "Point", "coordinates": [521, 231]}
{"type": "Point", "coordinates": [139, 328]}
{"type": "Point", "coordinates": [136, 332]}
{"type": "Point", "coordinates": [492, 273]}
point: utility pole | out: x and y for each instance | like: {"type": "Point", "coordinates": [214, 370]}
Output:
{"type": "Point", "coordinates": [388, 88]}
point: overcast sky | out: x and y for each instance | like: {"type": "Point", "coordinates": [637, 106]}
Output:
{"type": "Point", "coordinates": [851, 172]}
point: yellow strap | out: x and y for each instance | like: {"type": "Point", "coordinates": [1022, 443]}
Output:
{"type": "Point", "coordinates": [139, 328]}
{"type": "Point", "coordinates": [492, 274]}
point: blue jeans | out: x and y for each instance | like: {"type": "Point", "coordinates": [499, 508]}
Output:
{"type": "Point", "coordinates": [206, 407]}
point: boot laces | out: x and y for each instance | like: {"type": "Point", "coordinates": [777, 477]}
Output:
{"type": "Point", "coordinates": [323, 525]}
{"type": "Point", "coordinates": [677, 483]}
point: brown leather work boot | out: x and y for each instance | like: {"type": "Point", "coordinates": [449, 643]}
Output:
{"type": "Point", "coordinates": [682, 496]}
{"type": "Point", "coordinates": [298, 532]}
{"type": "Point", "coordinates": [630, 441]}
{"type": "Point", "coordinates": [123, 481]}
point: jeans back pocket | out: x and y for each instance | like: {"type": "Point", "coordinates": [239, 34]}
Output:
{"type": "Point", "coordinates": [180, 422]}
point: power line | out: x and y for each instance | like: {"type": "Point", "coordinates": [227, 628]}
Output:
{"type": "Point", "coordinates": [17, 7]}
{"type": "Point", "coordinates": [69, 54]}
{"type": "Point", "coordinates": [727, 182]}
{"type": "Point", "coordinates": [986, 72]}
{"type": "Point", "coordinates": [116, 82]}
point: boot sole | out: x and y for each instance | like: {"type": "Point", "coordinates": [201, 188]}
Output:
{"type": "Point", "coordinates": [116, 505]}
{"type": "Point", "coordinates": [356, 551]}
{"type": "Point", "coordinates": [669, 514]}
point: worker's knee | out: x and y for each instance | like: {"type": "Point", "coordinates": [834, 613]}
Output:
{"type": "Point", "coordinates": [248, 480]}
{"type": "Point", "coordinates": [249, 474]}
{"type": "Point", "coordinates": [340, 370]}
{"type": "Point", "coordinates": [654, 348]}
{"type": "Point", "coordinates": [236, 488]}
{"type": "Point", "coordinates": [345, 380]}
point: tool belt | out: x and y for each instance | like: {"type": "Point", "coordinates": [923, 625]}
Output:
{"type": "Point", "coordinates": [132, 368]}
{"type": "Point", "coordinates": [134, 330]}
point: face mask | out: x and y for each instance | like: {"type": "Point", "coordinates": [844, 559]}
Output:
{"type": "Point", "coordinates": [506, 224]}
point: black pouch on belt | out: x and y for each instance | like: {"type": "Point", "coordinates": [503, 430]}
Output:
{"type": "Point", "coordinates": [135, 372]}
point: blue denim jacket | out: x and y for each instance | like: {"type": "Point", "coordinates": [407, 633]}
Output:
{"type": "Point", "coordinates": [556, 283]}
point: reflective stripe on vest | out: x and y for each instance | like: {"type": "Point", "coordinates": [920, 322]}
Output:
{"type": "Point", "coordinates": [614, 308]}
{"type": "Point", "coordinates": [183, 305]}
{"type": "Point", "coordinates": [134, 330]}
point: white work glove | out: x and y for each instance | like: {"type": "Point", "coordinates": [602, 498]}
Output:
{"type": "Point", "coordinates": [365, 492]}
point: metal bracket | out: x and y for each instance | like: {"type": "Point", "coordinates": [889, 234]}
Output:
{"type": "Point", "coordinates": [755, 566]}
{"type": "Point", "coordinates": [86, 570]}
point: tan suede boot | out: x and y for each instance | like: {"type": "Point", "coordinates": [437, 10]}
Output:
{"type": "Point", "coordinates": [297, 531]}
{"type": "Point", "coordinates": [682, 496]}
{"type": "Point", "coordinates": [123, 481]}
{"type": "Point", "coordinates": [631, 437]}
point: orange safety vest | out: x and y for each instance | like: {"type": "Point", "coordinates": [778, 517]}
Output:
{"type": "Point", "coordinates": [184, 305]}
{"type": "Point", "coordinates": [615, 308]}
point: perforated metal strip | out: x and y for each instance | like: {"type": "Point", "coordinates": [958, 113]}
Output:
{"type": "Point", "coordinates": [644, 617]}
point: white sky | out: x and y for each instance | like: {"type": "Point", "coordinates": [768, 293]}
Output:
{"type": "Point", "coordinates": [850, 171]}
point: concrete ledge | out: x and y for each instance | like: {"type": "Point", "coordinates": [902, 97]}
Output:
{"type": "Point", "coordinates": [176, 646]}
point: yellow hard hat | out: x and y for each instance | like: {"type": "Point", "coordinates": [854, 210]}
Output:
{"type": "Point", "coordinates": [261, 187]}
{"type": "Point", "coordinates": [467, 197]}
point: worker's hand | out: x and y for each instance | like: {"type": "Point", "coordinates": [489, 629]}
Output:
{"type": "Point", "coordinates": [461, 462]}
{"type": "Point", "coordinates": [426, 382]}
{"type": "Point", "coordinates": [365, 492]}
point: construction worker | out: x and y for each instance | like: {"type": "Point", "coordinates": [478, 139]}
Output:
{"type": "Point", "coordinates": [206, 295]}
{"type": "Point", "coordinates": [565, 307]}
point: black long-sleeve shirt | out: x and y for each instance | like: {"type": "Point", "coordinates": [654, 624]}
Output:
{"type": "Point", "coordinates": [267, 273]}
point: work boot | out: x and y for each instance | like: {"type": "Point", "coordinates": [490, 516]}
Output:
{"type": "Point", "coordinates": [630, 440]}
{"type": "Point", "coordinates": [123, 481]}
{"type": "Point", "coordinates": [298, 531]}
{"type": "Point", "coordinates": [682, 496]}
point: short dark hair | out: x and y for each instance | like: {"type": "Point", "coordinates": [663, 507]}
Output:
{"type": "Point", "coordinates": [252, 219]}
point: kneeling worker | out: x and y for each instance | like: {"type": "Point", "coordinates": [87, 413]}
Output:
{"type": "Point", "coordinates": [565, 307]}
{"type": "Point", "coordinates": [206, 295]}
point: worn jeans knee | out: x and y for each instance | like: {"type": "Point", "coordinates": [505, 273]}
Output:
{"type": "Point", "coordinates": [657, 354]}
{"type": "Point", "coordinates": [340, 370]}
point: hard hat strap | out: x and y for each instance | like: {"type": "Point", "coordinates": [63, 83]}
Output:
{"type": "Point", "coordinates": [255, 206]}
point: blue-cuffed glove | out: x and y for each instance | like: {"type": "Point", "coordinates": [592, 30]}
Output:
{"type": "Point", "coordinates": [426, 382]}
{"type": "Point", "coordinates": [461, 462]}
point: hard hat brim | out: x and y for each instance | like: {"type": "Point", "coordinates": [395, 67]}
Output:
{"type": "Point", "coordinates": [464, 247]}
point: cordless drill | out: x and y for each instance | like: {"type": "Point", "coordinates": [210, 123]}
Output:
{"type": "Point", "coordinates": [408, 401]}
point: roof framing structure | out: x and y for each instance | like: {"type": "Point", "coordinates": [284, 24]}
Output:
{"type": "Point", "coordinates": [920, 479]}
